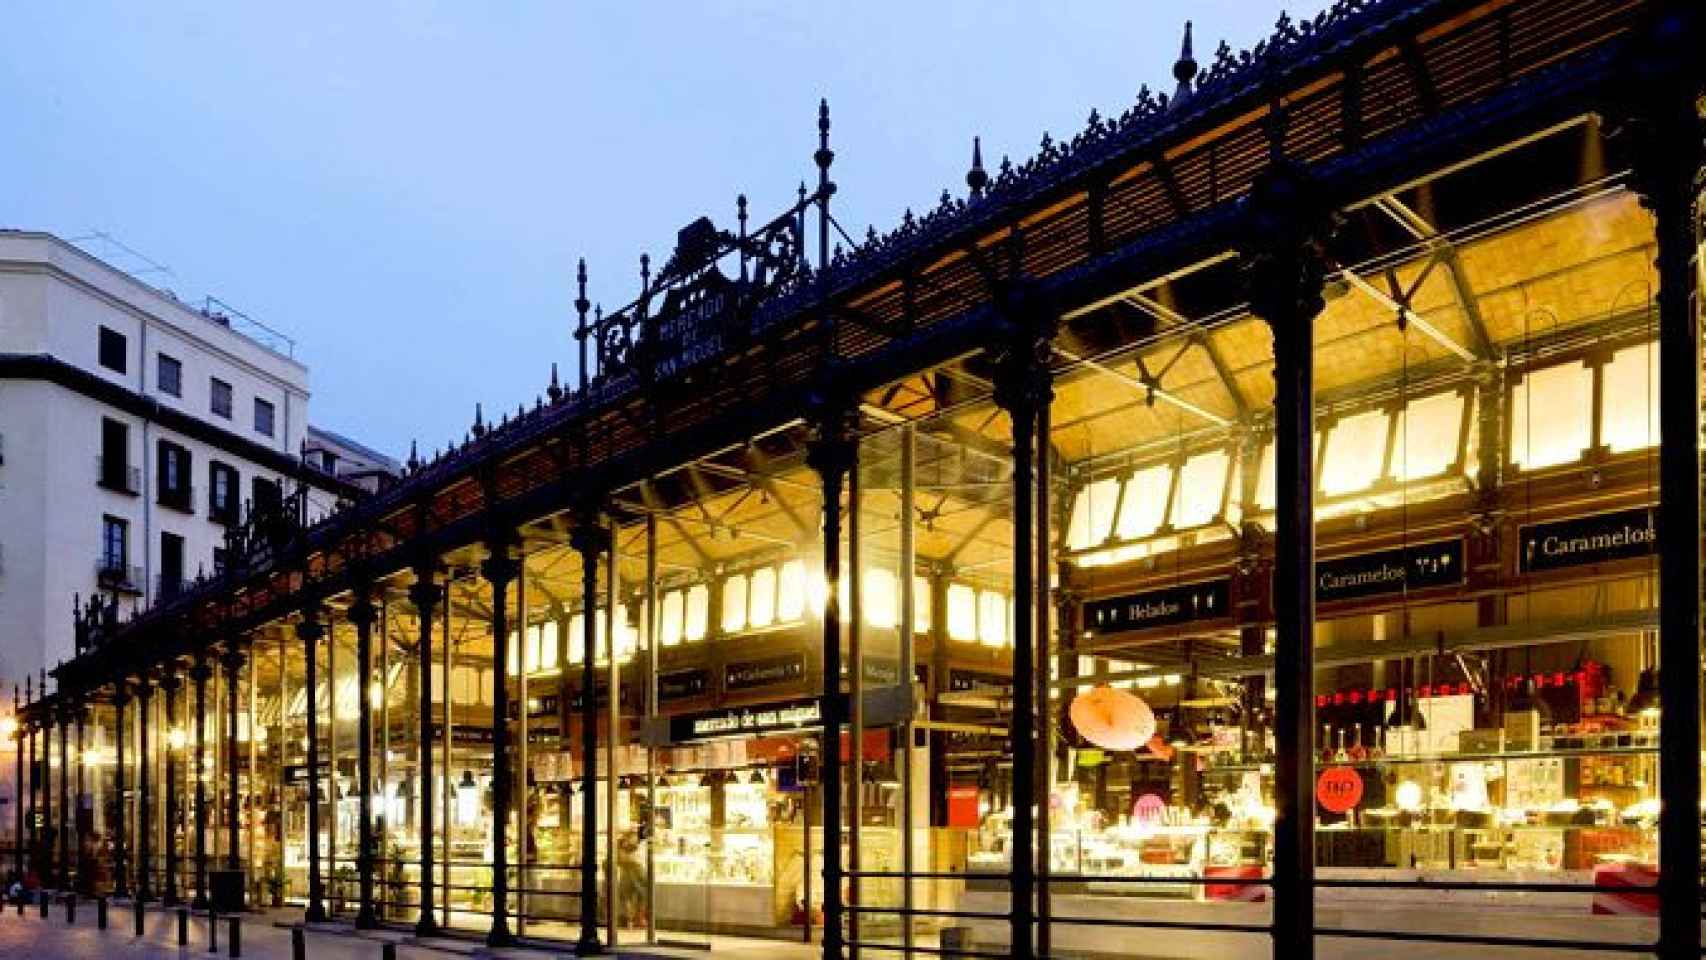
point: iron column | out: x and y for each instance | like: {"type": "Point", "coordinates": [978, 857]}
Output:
{"type": "Point", "coordinates": [199, 673]}
{"type": "Point", "coordinates": [424, 594]}
{"type": "Point", "coordinates": [590, 539]}
{"type": "Point", "coordinates": [499, 569]}
{"type": "Point", "coordinates": [361, 613]}
{"type": "Point", "coordinates": [310, 630]}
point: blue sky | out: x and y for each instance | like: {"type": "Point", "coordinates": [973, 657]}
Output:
{"type": "Point", "coordinates": [404, 187]}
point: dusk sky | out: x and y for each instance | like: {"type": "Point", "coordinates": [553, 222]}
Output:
{"type": "Point", "coordinates": [404, 187]}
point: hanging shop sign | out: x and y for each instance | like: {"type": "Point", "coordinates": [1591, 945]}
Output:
{"type": "Point", "coordinates": [881, 671]}
{"type": "Point", "coordinates": [1618, 535]}
{"type": "Point", "coordinates": [462, 734]}
{"type": "Point", "coordinates": [683, 684]}
{"type": "Point", "coordinates": [1417, 567]}
{"type": "Point", "coordinates": [962, 807]}
{"type": "Point", "coordinates": [1209, 600]}
{"type": "Point", "coordinates": [298, 772]}
{"type": "Point", "coordinates": [802, 714]}
{"type": "Point", "coordinates": [601, 693]}
{"type": "Point", "coordinates": [770, 671]}
{"type": "Point", "coordinates": [1339, 789]}
{"type": "Point", "coordinates": [960, 681]}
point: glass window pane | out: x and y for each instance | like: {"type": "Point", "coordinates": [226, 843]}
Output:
{"type": "Point", "coordinates": [762, 597]}
{"type": "Point", "coordinates": [1145, 504]}
{"type": "Point", "coordinates": [991, 618]}
{"type": "Point", "coordinates": [879, 598]}
{"type": "Point", "coordinates": [514, 665]}
{"type": "Point", "coordinates": [1202, 485]}
{"type": "Point", "coordinates": [791, 592]}
{"type": "Point", "coordinates": [734, 603]}
{"type": "Point", "coordinates": [1427, 437]}
{"type": "Point", "coordinates": [1356, 453]}
{"type": "Point", "coordinates": [1629, 411]}
{"type": "Point", "coordinates": [670, 621]}
{"type": "Point", "coordinates": [1092, 514]}
{"type": "Point", "coordinates": [962, 612]}
{"type": "Point", "coordinates": [920, 605]}
{"type": "Point", "coordinates": [548, 645]}
{"type": "Point", "coordinates": [698, 611]}
{"type": "Point", "coordinates": [1551, 416]}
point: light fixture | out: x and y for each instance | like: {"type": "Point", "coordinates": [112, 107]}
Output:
{"type": "Point", "coordinates": [176, 738]}
{"type": "Point", "coordinates": [467, 797]}
{"type": "Point", "coordinates": [1409, 796]}
{"type": "Point", "coordinates": [8, 727]}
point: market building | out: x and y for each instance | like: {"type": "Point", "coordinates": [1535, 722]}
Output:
{"type": "Point", "coordinates": [1264, 523]}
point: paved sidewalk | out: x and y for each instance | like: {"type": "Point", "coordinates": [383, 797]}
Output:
{"type": "Point", "coordinates": [266, 936]}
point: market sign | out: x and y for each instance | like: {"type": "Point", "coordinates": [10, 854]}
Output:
{"type": "Point", "coordinates": [1572, 543]}
{"type": "Point", "coordinates": [960, 681]}
{"type": "Point", "coordinates": [746, 674]}
{"type": "Point", "coordinates": [1418, 567]}
{"type": "Point", "coordinates": [1210, 600]}
{"type": "Point", "coordinates": [881, 671]}
{"type": "Point", "coordinates": [682, 684]}
{"type": "Point", "coordinates": [801, 714]}
{"type": "Point", "coordinates": [1339, 789]}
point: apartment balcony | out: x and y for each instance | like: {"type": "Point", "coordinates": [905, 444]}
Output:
{"type": "Point", "coordinates": [111, 574]}
{"type": "Point", "coordinates": [118, 476]}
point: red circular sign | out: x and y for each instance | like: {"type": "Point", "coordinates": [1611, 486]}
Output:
{"type": "Point", "coordinates": [1339, 789]}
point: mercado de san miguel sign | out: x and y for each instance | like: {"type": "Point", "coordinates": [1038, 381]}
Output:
{"type": "Point", "coordinates": [802, 714]}
{"type": "Point", "coordinates": [1210, 600]}
{"type": "Point", "coordinates": [1418, 567]}
{"type": "Point", "coordinates": [1572, 543]}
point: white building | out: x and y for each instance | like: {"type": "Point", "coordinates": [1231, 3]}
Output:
{"type": "Point", "coordinates": [133, 430]}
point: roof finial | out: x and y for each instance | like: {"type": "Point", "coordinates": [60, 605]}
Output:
{"type": "Point", "coordinates": [479, 421]}
{"type": "Point", "coordinates": [555, 390]}
{"type": "Point", "coordinates": [977, 178]}
{"type": "Point", "coordinates": [581, 304]}
{"type": "Point", "coordinates": [414, 456]}
{"type": "Point", "coordinates": [645, 273]}
{"type": "Point", "coordinates": [1184, 69]}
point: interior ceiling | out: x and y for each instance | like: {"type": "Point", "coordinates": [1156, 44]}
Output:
{"type": "Point", "coordinates": [1519, 246]}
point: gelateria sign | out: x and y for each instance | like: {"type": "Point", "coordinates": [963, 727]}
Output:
{"type": "Point", "coordinates": [1390, 571]}
{"type": "Point", "coordinates": [1571, 543]}
{"type": "Point", "coordinates": [761, 718]}
{"type": "Point", "coordinates": [1210, 600]}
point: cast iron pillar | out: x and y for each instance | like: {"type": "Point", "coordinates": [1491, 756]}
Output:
{"type": "Point", "coordinates": [144, 826]}
{"type": "Point", "coordinates": [1286, 232]}
{"type": "Point", "coordinates": [832, 453]}
{"type": "Point", "coordinates": [199, 674]}
{"type": "Point", "coordinates": [169, 685]}
{"type": "Point", "coordinates": [231, 661]}
{"type": "Point", "coordinates": [85, 875]}
{"type": "Point", "coordinates": [310, 630]}
{"type": "Point", "coordinates": [18, 794]}
{"type": "Point", "coordinates": [1023, 388]}
{"type": "Point", "coordinates": [63, 715]}
{"type": "Point", "coordinates": [591, 539]}
{"type": "Point", "coordinates": [1666, 101]}
{"type": "Point", "coordinates": [121, 881]}
{"type": "Point", "coordinates": [500, 569]}
{"type": "Point", "coordinates": [424, 594]}
{"type": "Point", "coordinates": [362, 614]}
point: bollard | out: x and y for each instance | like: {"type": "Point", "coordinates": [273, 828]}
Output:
{"type": "Point", "coordinates": [42, 901]}
{"type": "Point", "coordinates": [388, 951]}
{"type": "Point", "coordinates": [183, 926]}
{"type": "Point", "coordinates": [298, 949]}
{"type": "Point", "coordinates": [101, 913]}
{"type": "Point", "coordinates": [212, 931]}
{"type": "Point", "coordinates": [21, 899]}
{"type": "Point", "coordinates": [140, 919]}
{"type": "Point", "coordinates": [234, 937]}
{"type": "Point", "coordinates": [71, 908]}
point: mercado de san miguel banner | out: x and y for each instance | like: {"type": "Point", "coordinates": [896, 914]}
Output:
{"type": "Point", "coordinates": [1576, 542]}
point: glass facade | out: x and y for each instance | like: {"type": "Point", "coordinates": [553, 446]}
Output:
{"type": "Point", "coordinates": [1482, 748]}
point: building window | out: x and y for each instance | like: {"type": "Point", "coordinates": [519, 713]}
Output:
{"type": "Point", "coordinates": [171, 565]}
{"type": "Point", "coordinates": [263, 417]}
{"type": "Point", "coordinates": [112, 350]}
{"type": "Point", "coordinates": [173, 479]}
{"type": "Point", "coordinates": [220, 401]}
{"type": "Point", "coordinates": [113, 466]}
{"type": "Point", "coordinates": [170, 375]}
{"type": "Point", "coordinates": [115, 545]}
{"type": "Point", "coordinates": [222, 492]}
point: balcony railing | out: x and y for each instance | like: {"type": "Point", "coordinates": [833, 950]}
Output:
{"type": "Point", "coordinates": [115, 574]}
{"type": "Point", "coordinates": [118, 475]}
{"type": "Point", "coordinates": [168, 587]}
{"type": "Point", "coordinates": [178, 498]}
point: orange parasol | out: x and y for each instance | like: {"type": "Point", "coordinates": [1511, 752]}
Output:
{"type": "Point", "coordinates": [1112, 719]}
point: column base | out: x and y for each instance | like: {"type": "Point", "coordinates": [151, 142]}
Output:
{"type": "Point", "coordinates": [499, 935]}
{"type": "Point", "coordinates": [588, 946]}
{"type": "Point", "coordinates": [365, 919]}
{"type": "Point", "coordinates": [198, 903]}
{"type": "Point", "coordinates": [426, 926]}
{"type": "Point", "coordinates": [316, 913]}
